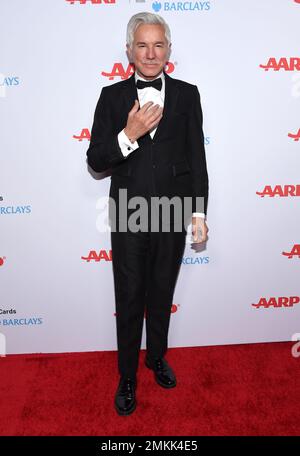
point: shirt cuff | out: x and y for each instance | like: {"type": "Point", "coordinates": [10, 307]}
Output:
{"type": "Point", "coordinates": [125, 145]}
{"type": "Point", "coordinates": [198, 214]}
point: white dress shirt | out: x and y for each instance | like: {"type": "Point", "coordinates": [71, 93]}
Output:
{"type": "Point", "coordinates": [145, 95]}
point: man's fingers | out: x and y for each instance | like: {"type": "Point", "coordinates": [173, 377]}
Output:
{"type": "Point", "coordinates": [155, 115]}
{"type": "Point", "coordinates": [146, 106]}
{"type": "Point", "coordinates": [202, 238]}
{"type": "Point", "coordinates": [154, 110]}
{"type": "Point", "coordinates": [150, 109]}
{"type": "Point", "coordinates": [147, 117]}
{"type": "Point", "coordinates": [195, 235]}
{"type": "Point", "coordinates": [198, 237]}
{"type": "Point", "coordinates": [135, 107]}
{"type": "Point", "coordinates": [155, 122]}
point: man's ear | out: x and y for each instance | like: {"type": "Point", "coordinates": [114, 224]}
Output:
{"type": "Point", "coordinates": [169, 51]}
{"type": "Point", "coordinates": [129, 53]}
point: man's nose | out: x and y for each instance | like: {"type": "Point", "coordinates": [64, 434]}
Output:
{"type": "Point", "coordinates": [150, 53]}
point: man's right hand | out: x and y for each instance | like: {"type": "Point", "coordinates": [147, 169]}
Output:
{"type": "Point", "coordinates": [140, 121]}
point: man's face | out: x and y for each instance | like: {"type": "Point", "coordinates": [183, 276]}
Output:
{"type": "Point", "coordinates": [150, 50]}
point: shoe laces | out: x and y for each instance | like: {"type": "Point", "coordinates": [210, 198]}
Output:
{"type": "Point", "coordinates": [159, 364]}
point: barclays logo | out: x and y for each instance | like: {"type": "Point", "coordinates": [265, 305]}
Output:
{"type": "Point", "coordinates": [33, 321]}
{"type": "Point", "coordinates": [12, 210]}
{"type": "Point", "coordinates": [195, 260]}
{"type": "Point", "coordinates": [6, 82]}
{"type": "Point", "coordinates": [156, 6]}
{"type": "Point", "coordinates": [181, 6]}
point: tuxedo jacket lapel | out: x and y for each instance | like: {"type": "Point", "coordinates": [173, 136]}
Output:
{"type": "Point", "coordinates": [130, 92]}
{"type": "Point", "coordinates": [171, 95]}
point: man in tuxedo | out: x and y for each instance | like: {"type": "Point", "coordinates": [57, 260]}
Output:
{"type": "Point", "coordinates": [147, 131]}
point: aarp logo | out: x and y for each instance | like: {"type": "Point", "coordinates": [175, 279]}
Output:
{"type": "Point", "coordinates": [2, 259]}
{"type": "Point", "coordinates": [118, 71]}
{"type": "Point", "coordinates": [295, 136]}
{"type": "Point", "coordinates": [84, 134]}
{"type": "Point", "coordinates": [294, 252]}
{"type": "Point", "coordinates": [92, 2]}
{"type": "Point", "coordinates": [284, 63]}
{"type": "Point", "coordinates": [102, 255]}
{"type": "Point", "coordinates": [279, 302]}
{"type": "Point", "coordinates": [282, 191]}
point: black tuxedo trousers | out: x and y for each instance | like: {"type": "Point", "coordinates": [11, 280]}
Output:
{"type": "Point", "coordinates": [145, 266]}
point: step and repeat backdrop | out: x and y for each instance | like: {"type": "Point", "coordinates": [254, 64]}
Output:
{"type": "Point", "coordinates": [56, 281]}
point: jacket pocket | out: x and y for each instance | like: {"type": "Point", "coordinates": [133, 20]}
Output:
{"type": "Point", "coordinates": [180, 168]}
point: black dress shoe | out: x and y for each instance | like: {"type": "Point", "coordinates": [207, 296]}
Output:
{"type": "Point", "coordinates": [125, 402]}
{"type": "Point", "coordinates": [163, 373]}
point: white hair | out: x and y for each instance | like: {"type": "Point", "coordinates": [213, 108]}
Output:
{"type": "Point", "coordinates": [146, 18]}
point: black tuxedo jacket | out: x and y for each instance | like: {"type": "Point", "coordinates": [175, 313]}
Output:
{"type": "Point", "coordinates": [173, 163]}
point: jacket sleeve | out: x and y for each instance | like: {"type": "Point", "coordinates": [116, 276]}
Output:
{"type": "Point", "coordinates": [196, 155]}
{"type": "Point", "coordinates": [104, 151]}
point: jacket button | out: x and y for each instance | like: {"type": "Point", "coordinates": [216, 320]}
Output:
{"type": "Point", "coordinates": [153, 166]}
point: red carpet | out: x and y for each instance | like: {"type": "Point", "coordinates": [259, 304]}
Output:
{"type": "Point", "coordinates": [222, 390]}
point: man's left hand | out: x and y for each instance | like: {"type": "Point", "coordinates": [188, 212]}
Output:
{"type": "Point", "coordinates": [199, 224]}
